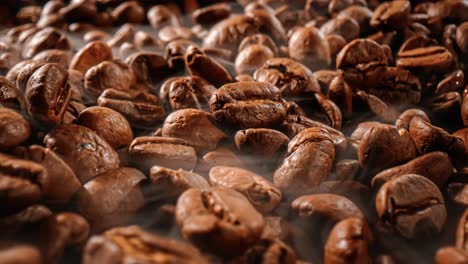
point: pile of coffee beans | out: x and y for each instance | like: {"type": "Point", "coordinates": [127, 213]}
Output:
{"type": "Point", "coordinates": [266, 131]}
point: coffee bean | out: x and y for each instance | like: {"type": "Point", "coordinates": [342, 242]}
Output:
{"type": "Point", "coordinates": [251, 58]}
{"type": "Point", "coordinates": [343, 26]}
{"type": "Point", "coordinates": [203, 66]}
{"type": "Point", "coordinates": [434, 58]}
{"type": "Point", "coordinates": [461, 37]}
{"type": "Point", "coordinates": [148, 67]}
{"type": "Point", "coordinates": [269, 251]}
{"type": "Point", "coordinates": [260, 39]}
{"type": "Point", "coordinates": [261, 141]}
{"type": "Point", "coordinates": [462, 231]}
{"type": "Point", "coordinates": [47, 38]}
{"type": "Point", "coordinates": [92, 54]}
{"type": "Point", "coordinates": [19, 254]}
{"type": "Point", "coordinates": [218, 157]}
{"type": "Point", "coordinates": [53, 56]}
{"type": "Point", "coordinates": [394, 15]}
{"type": "Point", "coordinates": [450, 254]}
{"type": "Point", "coordinates": [159, 16]}
{"type": "Point", "coordinates": [14, 129]}
{"type": "Point", "coordinates": [309, 46]}
{"type": "Point", "coordinates": [124, 34]}
{"type": "Point", "coordinates": [170, 33]}
{"type": "Point", "coordinates": [211, 14]}
{"type": "Point", "coordinates": [452, 82]}
{"type": "Point", "coordinates": [129, 12]}
{"type": "Point", "coordinates": [405, 118]}
{"type": "Point", "coordinates": [186, 92]}
{"type": "Point", "coordinates": [412, 205]}
{"type": "Point", "coordinates": [218, 220]}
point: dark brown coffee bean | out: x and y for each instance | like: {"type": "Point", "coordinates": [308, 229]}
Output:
{"type": "Point", "coordinates": [79, 11]}
{"type": "Point", "coordinates": [167, 185]}
{"type": "Point", "coordinates": [171, 33]}
{"type": "Point", "coordinates": [83, 150]}
{"type": "Point", "coordinates": [211, 14]}
{"type": "Point", "coordinates": [391, 15]}
{"type": "Point", "coordinates": [175, 53]}
{"type": "Point", "coordinates": [96, 35]}
{"type": "Point", "coordinates": [427, 138]}
{"type": "Point", "coordinates": [336, 43]}
{"type": "Point", "coordinates": [111, 198]}
{"type": "Point", "coordinates": [446, 105]}
{"type": "Point", "coordinates": [199, 64]}
{"type": "Point", "coordinates": [440, 165]}
{"type": "Point", "coordinates": [196, 127]}
{"type": "Point", "coordinates": [268, 23]}
{"type": "Point", "coordinates": [462, 232]}
{"type": "Point", "coordinates": [124, 34]}
{"type": "Point", "coordinates": [148, 67]}
{"type": "Point", "coordinates": [47, 38]}
{"type": "Point", "coordinates": [412, 205]}
{"type": "Point", "coordinates": [462, 37]}
{"type": "Point", "coordinates": [361, 14]}
{"type": "Point", "coordinates": [451, 255]}
{"type": "Point", "coordinates": [218, 220]}
{"type": "Point", "coordinates": [160, 15]}
{"type": "Point", "coordinates": [261, 141]}
{"type": "Point", "coordinates": [463, 134]}
{"type": "Point", "coordinates": [349, 241]}
{"type": "Point", "coordinates": [90, 55]}
{"type": "Point", "coordinates": [269, 251]}
{"type": "Point", "coordinates": [186, 92]}
{"type": "Point", "coordinates": [48, 94]}
{"type": "Point", "coordinates": [229, 33]}
{"type": "Point", "coordinates": [346, 169]}
{"type": "Point", "coordinates": [53, 56]}
{"type": "Point", "coordinates": [19, 254]}
{"type": "Point", "coordinates": [405, 118]}
{"type": "Point", "coordinates": [127, 49]}
{"type": "Point", "coordinates": [80, 27]}
{"type": "Point", "coordinates": [124, 244]}
{"type": "Point", "coordinates": [258, 190]}
{"type": "Point", "coordinates": [10, 96]}
{"type": "Point", "coordinates": [291, 77]}
{"type": "Point", "coordinates": [452, 82]}
{"type": "Point", "coordinates": [260, 39]}
{"type": "Point", "coordinates": [107, 74]}
{"type": "Point", "coordinates": [378, 107]}
{"type": "Point", "coordinates": [108, 124]}
{"type": "Point", "coordinates": [173, 153]}
{"type": "Point", "coordinates": [251, 58]}
{"type": "Point", "coordinates": [129, 12]}
{"type": "Point", "coordinates": [360, 52]}
{"type": "Point", "coordinates": [248, 105]}
{"type": "Point", "coordinates": [28, 14]}
{"type": "Point", "coordinates": [383, 146]}
{"type": "Point", "coordinates": [343, 26]}
{"type": "Point", "coordinates": [434, 58]}
{"type": "Point", "coordinates": [218, 157]}
{"type": "Point", "coordinates": [14, 129]}
{"type": "Point", "coordinates": [457, 188]}
{"type": "Point", "coordinates": [310, 47]}
{"type": "Point", "coordinates": [20, 73]}
{"type": "Point", "coordinates": [141, 109]}
{"type": "Point", "coordinates": [308, 162]}
{"type": "Point", "coordinates": [145, 39]}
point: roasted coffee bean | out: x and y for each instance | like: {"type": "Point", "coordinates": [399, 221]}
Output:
{"type": "Point", "coordinates": [111, 198]}
{"type": "Point", "coordinates": [83, 150]}
{"type": "Point", "coordinates": [186, 92]}
{"type": "Point", "coordinates": [211, 14]}
{"type": "Point", "coordinates": [10, 96]}
{"type": "Point", "coordinates": [127, 244]}
{"type": "Point", "coordinates": [160, 15]}
{"type": "Point", "coordinates": [310, 47]}
{"type": "Point", "coordinates": [141, 109]}
{"type": "Point", "coordinates": [124, 34]}
{"type": "Point", "coordinates": [53, 56]}
{"type": "Point", "coordinates": [378, 107]}
{"type": "Point", "coordinates": [21, 72]}
{"type": "Point", "coordinates": [436, 166]}
{"type": "Point", "coordinates": [383, 146]}
{"type": "Point", "coordinates": [260, 39]}
{"type": "Point", "coordinates": [193, 126]}
{"type": "Point", "coordinates": [92, 54]}
{"type": "Point", "coordinates": [412, 205]}
{"type": "Point", "coordinates": [427, 138]}
{"type": "Point", "coordinates": [346, 169]}
{"type": "Point", "coordinates": [175, 53]}
{"type": "Point", "coordinates": [258, 190]}
{"type": "Point", "coordinates": [452, 82]}
{"type": "Point", "coordinates": [47, 38]}
{"type": "Point", "coordinates": [205, 67]}
{"type": "Point", "coordinates": [48, 94]}
{"type": "Point", "coordinates": [148, 67]}
{"type": "Point", "coordinates": [450, 255]}
{"type": "Point", "coordinates": [129, 12]}
{"type": "Point", "coordinates": [308, 162]}
{"type": "Point", "coordinates": [457, 188]}
{"type": "Point", "coordinates": [251, 58]}
{"type": "Point", "coordinates": [361, 14]}
{"type": "Point", "coordinates": [145, 39]}
{"type": "Point", "coordinates": [336, 43]}
{"type": "Point", "coordinates": [434, 58]}
{"type": "Point", "coordinates": [126, 49]}
{"type": "Point", "coordinates": [462, 232]}
{"type": "Point", "coordinates": [391, 15]}
{"type": "Point", "coordinates": [248, 105]}
{"type": "Point", "coordinates": [405, 118]}
{"type": "Point", "coordinates": [170, 33]}
{"type": "Point", "coordinates": [291, 77]}
{"type": "Point", "coordinates": [218, 220]}
{"type": "Point", "coordinates": [446, 105]}
{"type": "Point", "coordinates": [229, 33]}
{"type": "Point", "coordinates": [218, 157]}
{"type": "Point", "coordinates": [107, 74]}
{"type": "Point", "coordinates": [145, 152]}
{"type": "Point", "coordinates": [80, 27]}
{"type": "Point", "coordinates": [96, 35]}
{"type": "Point", "coordinates": [108, 124]}
{"type": "Point", "coordinates": [11, 253]}
{"type": "Point", "coordinates": [261, 141]}
{"type": "Point", "coordinates": [14, 129]}
{"type": "Point", "coordinates": [167, 185]}
{"type": "Point", "coordinates": [343, 26]}
{"type": "Point", "coordinates": [461, 37]}
{"type": "Point", "coordinates": [349, 242]}
{"type": "Point", "coordinates": [463, 134]}
{"type": "Point", "coordinates": [268, 251]}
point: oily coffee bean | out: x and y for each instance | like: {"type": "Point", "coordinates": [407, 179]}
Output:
{"type": "Point", "coordinates": [218, 220]}
{"type": "Point", "coordinates": [359, 53]}
{"type": "Point", "coordinates": [463, 134]}
{"type": "Point", "coordinates": [258, 190]}
{"type": "Point", "coordinates": [172, 153]}
{"type": "Point", "coordinates": [405, 118]}
{"type": "Point", "coordinates": [251, 58]}
{"type": "Point", "coordinates": [436, 166]}
{"type": "Point", "coordinates": [260, 39]}
{"type": "Point", "coordinates": [261, 141]}
{"type": "Point", "coordinates": [457, 188]}
{"type": "Point", "coordinates": [124, 34]}
{"type": "Point", "coordinates": [412, 205]}
{"type": "Point", "coordinates": [211, 14]}
{"type": "Point", "coordinates": [48, 94]}
{"type": "Point", "coordinates": [175, 53]}
{"type": "Point", "coordinates": [170, 33]}
{"type": "Point", "coordinates": [291, 77]}
{"type": "Point", "coordinates": [310, 47]}
{"type": "Point", "coordinates": [343, 26]}
{"type": "Point", "coordinates": [167, 184]}
{"type": "Point", "coordinates": [218, 157]}
{"type": "Point", "coordinates": [248, 105]}
{"type": "Point", "coordinates": [308, 162]}
{"type": "Point", "coordinates": [450, 254]}
{"type": "Point", "coordinates": [349, 242]}
{"type": "Point", "coordinates": [186, 92]}
{"type": "Point", "coordinates": [10, 96]}
{"type": "Point", "coordinates": [391, 15]}
{"type": "Point", "coordinates": [160, 15]}
{"type": "Point", "coordinates": [130, 12]}
{"type": "Point", "coordinates": [452, 82]}
{"type": "Point", "coordinates": [53, 56]}
{"type": "Point", "coordinates": [461, 37]}
{"type": "Point", "coordinates": [83, 150]}
{"type": "Point", "coordinates": [148, 67]}
{"type": "Point", "coordinates": [361, 14]}
{"type": "Point", "coordinates": [47, 38]}
{"type": "Point", "coordinates": [21, 72]}
{"type": "Point", "coordinates": [201, 65]}
{"type": "Point", "coordinates": [127, 244]}
{"type": "Point", "coordinates": [462, 232]}
{"type": "Point", "coordinates": [92, 54]}
{"type": "Point", "coordinates": [378, 107]}
{"type": "Point", "coordinates": [434, 58]}
{"type": "Point", "coordinates": [108, 124]}
{"type": "Point", "coordinates": [193, 126]}
{"type": "Point", "coordinates": [141, 109]}
{"type": "Point", "coordinates": [11, 253]}
{"type": "Point", "coordinates": [111, 198]}
{"type": "Point", "coordinates": [346, 169]}
{"type": "Point", "coordinates": [14, 129]}
{"type": "Point", "coordinates": [145, 39]}
{"type": "Point", "coordinates": [107, 74]}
